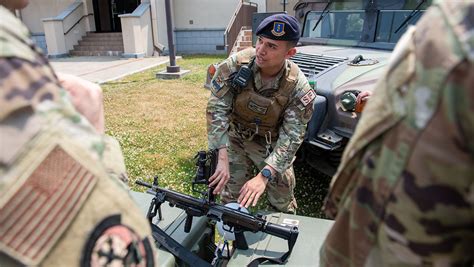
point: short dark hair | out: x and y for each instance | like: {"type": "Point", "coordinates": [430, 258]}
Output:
{"type": "Point", "coordinates": [292, 44]}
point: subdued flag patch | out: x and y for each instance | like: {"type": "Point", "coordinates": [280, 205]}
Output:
{"type": "Point", "coordinates": [38, 213]}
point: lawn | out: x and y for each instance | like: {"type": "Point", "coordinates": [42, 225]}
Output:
{"type": "Point", "coordinates": [161, 125]}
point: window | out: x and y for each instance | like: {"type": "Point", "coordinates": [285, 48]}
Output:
{"type": "Point", "coordinates": [390, 20]}
{"type": "Point", "coordinates": [346, 25]}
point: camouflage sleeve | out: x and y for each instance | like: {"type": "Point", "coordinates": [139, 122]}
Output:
{"type": "Point", "coordinates": [219, 106]}
{"type": "Point", "coordinates": [292, 131]}
{"type": "Point", "coordinates": [52, 155]}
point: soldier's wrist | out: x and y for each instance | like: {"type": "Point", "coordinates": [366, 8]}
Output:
{"type": "Point", "coordinates": [262, 178]}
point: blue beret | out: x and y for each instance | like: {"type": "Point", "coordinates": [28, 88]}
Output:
{"type": "Point", "coordinates": [279, 27]}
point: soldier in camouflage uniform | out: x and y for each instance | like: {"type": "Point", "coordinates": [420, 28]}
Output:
{"type": "Point", "coordinates": [61, 200]}
{"type": "Point", "coordinates": [263, 123]}
{"type": "Point", "coordinates": [404, 192]}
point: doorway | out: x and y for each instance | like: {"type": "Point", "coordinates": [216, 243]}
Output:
{"type": "Point", "coordinates": [106, 13]}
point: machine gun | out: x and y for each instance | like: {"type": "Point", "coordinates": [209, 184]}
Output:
{"type": "Point", "coordinates": [237, 220]}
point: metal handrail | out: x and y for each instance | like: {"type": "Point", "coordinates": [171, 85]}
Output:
{"type": "Point", "coordinates": [77, 22]}
{"type": "Point", "coordinates": [238, 20]}
{"type": "Point", "coordinates": [66, 13]}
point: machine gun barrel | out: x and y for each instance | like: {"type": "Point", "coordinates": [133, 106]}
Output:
{"type": "Point", "coordinates": [234, 218]}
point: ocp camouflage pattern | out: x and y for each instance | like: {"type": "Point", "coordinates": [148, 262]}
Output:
{"type": "Point", "coordinates": [404, 192]}
{"type": "Point", "coordinates": [295, 116]}
{"type": "Point", "coordinates": [41, 134]}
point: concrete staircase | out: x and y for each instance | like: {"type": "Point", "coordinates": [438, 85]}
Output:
{"type": "Point", "coordinates": [99, 44]}
{"type": "Point", "coordinates": [243, 41]}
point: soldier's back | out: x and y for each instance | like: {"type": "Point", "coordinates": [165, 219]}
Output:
{"type": "Point", "coordinates": [60, 202]}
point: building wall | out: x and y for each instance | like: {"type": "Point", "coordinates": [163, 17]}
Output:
{"type": "Point", "coordinates": [200, 41]}
{"type": "Point", "coordinates": [262, 5]}
{"type": "Point", "coordinates": [200, 25]}
{"type": "Point", "coordinates": [40, 41]}
{"type": "Point", "coordinates": [277, 6]}
{"type": "Point", "coordinates": [197, 23]}
{"type": "Point", "coordinates": [203, 14]}
{"type": "Point", "coordinates": [37, 10]}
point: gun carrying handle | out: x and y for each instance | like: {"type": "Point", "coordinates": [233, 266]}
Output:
{"type": "Point", "coordinates": [240, 241]}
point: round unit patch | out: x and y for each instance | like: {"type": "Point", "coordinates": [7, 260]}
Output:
{"type": "Point", "coordinates": [114, 244]}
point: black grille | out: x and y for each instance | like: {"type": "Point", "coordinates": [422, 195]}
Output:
{"type": "Point", "coordinates": [321, 63]}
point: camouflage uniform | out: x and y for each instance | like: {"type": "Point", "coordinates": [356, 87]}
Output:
{"type": "Point", "coordinates": [404, 192]}
{"type": "Point", "coordinates": [61, 203]}
{"type": "Point", "coordinates": [247, 150]}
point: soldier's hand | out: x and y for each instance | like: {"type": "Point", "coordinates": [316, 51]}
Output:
{"type": "Point", "coordinates": [252, 190]}
{"type": "Point", "coordinates": [86, 97]}
{"type": "Point", "coordinates": [222, 175]}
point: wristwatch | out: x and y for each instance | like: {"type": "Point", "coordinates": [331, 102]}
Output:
{"type": "Point", "coordinates": [267, 174]}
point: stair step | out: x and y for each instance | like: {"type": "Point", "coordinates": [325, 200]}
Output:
{"type": "Point", "coordinates": [244, 43]}
{"type": "Point", "coordinates": [98, 47]}
{"type": "Point", "coordinates": [103, 38]}
{"type": "Point", "coordinates": [99, 44]}
{"type": "Point", "coordinates": [247, 38]}
{"type": "Point", "coordinates": [95, 53]}
{"type": "Point", "coordinates": [104, 34]}
{"type": "Point", "coordinates": [88, 42]}
{"type": "Point", "coordinates": [248, 33]}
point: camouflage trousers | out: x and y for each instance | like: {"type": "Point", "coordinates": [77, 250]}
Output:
{"type": "Point", "coordinates": [244, 157]}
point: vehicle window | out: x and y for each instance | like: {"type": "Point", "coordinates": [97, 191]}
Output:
{"type": "Point", "coordinates": [389, 21]}
{"type": "Point", "coordinates": [345, 25]}
{"type": "Point", "coordinates": [348, 25]}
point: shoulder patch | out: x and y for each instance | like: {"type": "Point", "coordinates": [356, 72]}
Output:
{"type": "Point", "coordinates": [112, 243]}
{"type": "Point", "coordinates": [34, 217]}
{"type": "Point", "coordinates": [218, 83]}
{"type": "Point", "coordinates": [308, 97]}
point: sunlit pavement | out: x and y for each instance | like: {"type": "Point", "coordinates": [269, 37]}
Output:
{"type": "Point", "coordinates": [105, 69]}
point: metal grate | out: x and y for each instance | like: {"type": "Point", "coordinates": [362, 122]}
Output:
{"type": "Point", "coordinates": [321, 63]}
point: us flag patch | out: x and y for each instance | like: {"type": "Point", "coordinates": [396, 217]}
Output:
{"type": "Point", "coordinates": [37, 214]}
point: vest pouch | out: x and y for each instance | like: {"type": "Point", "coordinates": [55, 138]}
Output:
{"type": "Point", "coordinates": [251, 109]}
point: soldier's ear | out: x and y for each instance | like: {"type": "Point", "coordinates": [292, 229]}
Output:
{"type": "Point", "coordinates": [291, 52]}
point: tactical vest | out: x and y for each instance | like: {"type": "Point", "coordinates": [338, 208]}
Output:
{"type": "Point", "coordinates": [260, 114]}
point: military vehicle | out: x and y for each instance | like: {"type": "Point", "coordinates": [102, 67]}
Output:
{"type": "Point", "coordinates": [344, 49]}
{"type": "Point", "coordinates": [185, 231]}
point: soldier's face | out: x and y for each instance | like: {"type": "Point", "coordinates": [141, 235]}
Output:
{"type": "Point", "coordinates": [272, 53]}
{"type": "Point", "coordinates": [14, 4]}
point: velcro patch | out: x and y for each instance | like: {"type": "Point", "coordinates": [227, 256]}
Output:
{"type": "Point", "coordinates": [308, 98]}
{"type": "Point", "coordinates": [113, 244]}
{"type": "Point", "coordinates": [38, 213]}
{"type": "Point", "coordinates": [217, 84]}
{"type": "Point", "coordinates": [256, 108]}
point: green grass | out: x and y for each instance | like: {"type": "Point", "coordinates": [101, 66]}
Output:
{"type": "Point", "coordinates": [161, 125]}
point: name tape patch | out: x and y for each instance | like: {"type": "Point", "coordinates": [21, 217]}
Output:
{"type": "Point", "coordinates": [256, 108]}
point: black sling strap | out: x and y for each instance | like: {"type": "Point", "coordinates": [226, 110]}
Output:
{"type": "Point", "coordinates": [176, 248]}
{"type": "Point", "coordinates": [280, 260]}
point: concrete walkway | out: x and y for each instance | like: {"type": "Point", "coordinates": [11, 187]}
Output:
{"type": "Point", "coordinates": [105, 69]}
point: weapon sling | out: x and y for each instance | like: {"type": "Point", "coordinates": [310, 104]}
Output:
{"type": "Point", "coordinates": [176, 248]}
{"type": "Point", "coordinates": [280, 260]}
